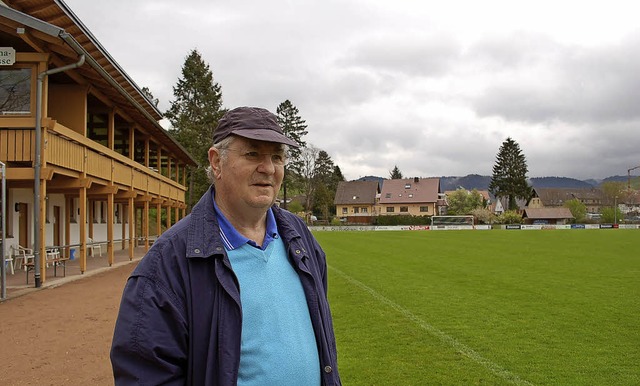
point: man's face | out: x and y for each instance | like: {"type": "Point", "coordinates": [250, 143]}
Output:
{"type": "Point", "coordinates": [250, 176]}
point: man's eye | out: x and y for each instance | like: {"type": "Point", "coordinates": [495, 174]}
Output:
{"type": "Point", "coordinates": [278, 158]}
{"type": "Point", "coordinates": [252, 155]}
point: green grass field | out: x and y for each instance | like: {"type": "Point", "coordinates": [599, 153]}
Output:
{"type": "Point", "coordinates": [496, 307]}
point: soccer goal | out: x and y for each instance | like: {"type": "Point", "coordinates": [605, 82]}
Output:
{"type": "Point", "coordinates": [452, 222]}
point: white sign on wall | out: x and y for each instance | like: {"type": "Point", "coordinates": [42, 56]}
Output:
{"type": "Point", "coordinates": [7, 56]}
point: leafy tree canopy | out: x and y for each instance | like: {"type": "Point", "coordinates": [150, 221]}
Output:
{"type": "Point", "coordinates": [578, 209]}
{"type": "Point", "coordinates": [463, 202]}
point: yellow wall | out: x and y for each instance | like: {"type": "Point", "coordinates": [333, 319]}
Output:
{"type": "Point", "coordinates": [413, 209]}
{"type": "Point", "coordinates": [68, 106]}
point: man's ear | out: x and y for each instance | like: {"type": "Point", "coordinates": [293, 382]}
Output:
{"type": "Point", "coordinates": [214, 161]}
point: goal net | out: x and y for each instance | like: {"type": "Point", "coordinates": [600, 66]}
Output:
{"type": "Point", "coordinates": [452, 221]}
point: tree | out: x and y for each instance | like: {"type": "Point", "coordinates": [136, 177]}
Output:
{"type": "Point", "coordinates": [610, 214]}
{"type": "Point", "coordinates": [193, 115]}
{"type": "Point", "coordinates": [578, 209]}
{"type": "Point", "coordinates": [323, 196]}
{"type": "Point", "coordinates": [395, 174]}
{"type": "Point", "coordinates": [483, 216]}
{"type": "Point", "coordinates": [510, 217]}
{"type": "Point", "coordinates": [510, 174]}
{"type": "Point", "coordinates": [613, 189]}
{"type": "Point", "coordinates": [147, 93]}
{"type": "Point", "coordinates": [294, 127]}
{"type": "Point", "coordinates": [463, 202]}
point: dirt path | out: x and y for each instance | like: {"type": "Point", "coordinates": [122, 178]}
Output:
{"type": "Point", "coordinates": [62, 335]}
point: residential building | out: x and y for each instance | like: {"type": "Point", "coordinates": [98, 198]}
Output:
{"type": "Point", "coordinates": [557, 215]}
{"type": "Point", "coordinates": [592, 198]}
{"type": "Point", "coordinates": [411, 196]}
{"type": "Point", "coordinates": [85, 154]}
{"type": "Point", "coordinates": [356, 201]}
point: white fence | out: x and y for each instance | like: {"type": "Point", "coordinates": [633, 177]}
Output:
{"type": "Point", "coordinates": [345, 228]}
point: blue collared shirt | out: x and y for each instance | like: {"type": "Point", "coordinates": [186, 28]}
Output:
{"type": "Point", "coordinates": [232, 239]}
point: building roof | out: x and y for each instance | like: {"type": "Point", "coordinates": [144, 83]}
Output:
{"type": "Point", "coordinates": [547, 213]}
{"type": "Point", "coordinates": [410, 191]}
{"type": "Point", "coordinates": [50, 26]}
{"type": "Point", "coordinates": [356, 192]}
{"type": "Point", "coordinates": [558, 196]}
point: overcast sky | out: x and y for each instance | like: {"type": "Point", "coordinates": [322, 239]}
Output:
{"type": "Point", "coordinates": [433, 87]}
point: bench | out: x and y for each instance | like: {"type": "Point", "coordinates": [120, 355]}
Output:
{"type": "Point", "coordinates": [56, 261]}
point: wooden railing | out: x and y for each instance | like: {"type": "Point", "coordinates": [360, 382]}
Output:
{"type": "Point", "coordinates": [16, 145]}
{"type": "Point", "coordinates": [72, 151]}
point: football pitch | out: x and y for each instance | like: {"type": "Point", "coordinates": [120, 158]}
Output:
{"type": "Point", "coordinates": [499, 307]}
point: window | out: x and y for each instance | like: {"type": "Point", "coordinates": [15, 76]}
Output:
{"type": "Point", "coordinates": [388, 195]}
{"type": "Point", "coordinates": [390, 209]}
{"type": "Point", "coordinates": [15, 91]}
{"type": "Point", "coordinates": [424, 209]}
{"type": "Point", "coordinates": [407, 186]}
{"type": "Point", "coordinates": [364, 209]}
{"type": "Point", "coordinates": [356, 210]}
{"type": "Point", "coordinates": [404, 209]}
{"type": "Point", "coordinates": [345, 210]}
{"type": "Point", "coordinates": [410, 195]}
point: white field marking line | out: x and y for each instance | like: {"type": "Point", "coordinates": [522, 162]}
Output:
{"type": "Point", "coordinates": [451, 341]}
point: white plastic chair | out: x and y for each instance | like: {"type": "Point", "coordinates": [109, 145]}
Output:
{"type": "Point", "coordinates": [22, 256]}
{"type": "Point", "coordinates": [93, 247]}
{"type": "Point", "coordinates": [8, 262]}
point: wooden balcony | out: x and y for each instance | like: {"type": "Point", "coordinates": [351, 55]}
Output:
{"type": "Point", "coordinates": [73, 155]}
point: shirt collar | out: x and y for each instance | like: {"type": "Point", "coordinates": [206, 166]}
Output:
{"type": "Point", "coordinates": [232, 239]}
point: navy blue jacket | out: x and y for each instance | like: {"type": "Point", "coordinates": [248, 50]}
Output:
{"type": "Point", "coordinates": [180, 317]}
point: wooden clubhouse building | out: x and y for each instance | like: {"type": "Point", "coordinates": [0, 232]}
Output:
{"type": "Point", "coordinates": [86, 160]}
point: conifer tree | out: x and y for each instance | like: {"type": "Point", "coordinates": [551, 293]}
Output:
{"type": "Point", "coordinates": [510, 174]}
{"type": "Point", "coordinates": [395, 174]}
{"type": "Point", "coordinates": [193, 115]}
{"type": "Point", "coordinates": [294, 127]}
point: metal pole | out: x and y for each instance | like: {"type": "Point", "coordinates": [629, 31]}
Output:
{"type": "Point", "coordinates": [615, 210]}
{"type": "Point", "coordinates": [3, 225]}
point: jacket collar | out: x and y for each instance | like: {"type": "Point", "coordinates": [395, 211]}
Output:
{"type": "Point", "coordinates": [203, 239]}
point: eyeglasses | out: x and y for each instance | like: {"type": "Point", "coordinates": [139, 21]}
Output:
{"type": "Point", "coordinates": [278, 159]}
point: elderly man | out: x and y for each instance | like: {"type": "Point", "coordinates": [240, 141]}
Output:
{"type": "Point", "coordinates": [235, 293]}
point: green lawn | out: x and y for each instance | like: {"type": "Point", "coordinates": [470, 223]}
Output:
{"type": "Point", "coordinates": [493, 307]}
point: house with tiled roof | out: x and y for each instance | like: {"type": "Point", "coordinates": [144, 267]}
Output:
{"type": "Point", "coordinates": [411, 196]}
{"type": "Point", "coordinates": [557, 215]}
{"type": "Point", "coordinates": [592, 198]}
{"type": "Point", "coordinates": [356, 201]}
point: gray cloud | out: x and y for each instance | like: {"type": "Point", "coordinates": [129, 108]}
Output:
{"type": "Point", "coordinates": [420, 85]}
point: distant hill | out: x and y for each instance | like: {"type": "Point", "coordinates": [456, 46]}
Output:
{"type": "Point", "coordinates": [476, 181]}
{"type": "Point", "coordinates": [470, 182]}
{"type": "Point", "coordinates": [559, 182]}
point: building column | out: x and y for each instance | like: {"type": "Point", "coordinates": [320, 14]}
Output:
{"type": "Point", "coordinates": [145, 224]}
{"type": "Point", "coordinates": [110, 217]}
{"type": "Point", "coordinates": [42, 231]}
{"type": "Point", "coordinates": [82, 226]}
{"type": "Point", "coordinates": [131, 223]}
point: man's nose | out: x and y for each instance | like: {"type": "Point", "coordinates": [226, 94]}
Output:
{"type": "Point", "coordinates": [266, 164]}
